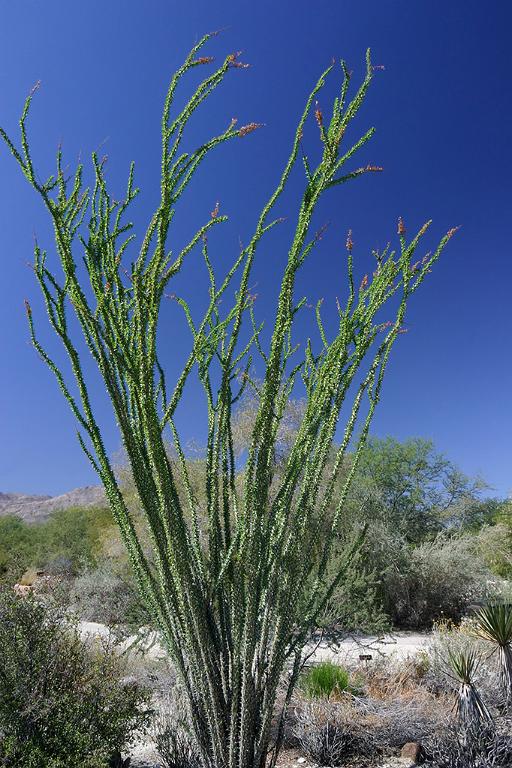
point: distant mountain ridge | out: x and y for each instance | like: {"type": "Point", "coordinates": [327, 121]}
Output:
{"type": "Point", "coordinates": [37, 509]}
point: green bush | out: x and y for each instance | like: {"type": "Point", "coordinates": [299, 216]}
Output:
{"type": "Point", "coordinates": [70, 540]}
{"type": "Point", "coordinates": [325, 679]}
{"type": "Point", "coordinates": [74, 534]}
{"type": "Point", "coordinates": [17, 548]}
{"type": "Point", "coordinates": [62, 703]}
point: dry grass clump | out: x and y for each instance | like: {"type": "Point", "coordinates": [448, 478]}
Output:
{"type": "Point", "coordinates": [487, 747]}
{"type": "Point", "coordinates": [394, 707]}
{"type": "Point", "coordinates": [389, 679]}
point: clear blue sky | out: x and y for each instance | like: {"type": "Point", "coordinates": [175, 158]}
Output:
{"type": "Point", "coordinates": [443, 113]}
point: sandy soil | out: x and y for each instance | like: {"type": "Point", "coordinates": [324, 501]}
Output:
{"type": "Point", "coordinates": [348, 651]}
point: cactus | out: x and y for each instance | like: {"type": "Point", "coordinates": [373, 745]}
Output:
{"type": "Point", "coordinates": [235, 590]}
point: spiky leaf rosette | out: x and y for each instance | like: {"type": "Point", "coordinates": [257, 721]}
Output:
{"type": "Point", "coordinates": [493, 623]}
{"type": "Point", "coordinates": [471, 711]}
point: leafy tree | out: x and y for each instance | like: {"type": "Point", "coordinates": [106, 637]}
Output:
{"type": "Point", "coordinates": [417, 492]}
{"type": "Point", "coordinates": [235, 603]}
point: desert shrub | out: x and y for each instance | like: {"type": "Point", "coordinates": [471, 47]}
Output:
{"type": "Point", "coordinates": [495, 545]}
{"type": "Point", "coordinates": [68, 541]}
{"type": "Point", "coordinates": [107, 595]}
{"type": "Point", "coordinates": [73, 535]}
{"type": "Point", "coordinates": [488, 747]}
{"type": "Point", "coordinates": [17, 548]}
{"type": "Point", "coordinates": [324, 679]}
{"type": "Point", "coordinates": [437, 579]}
{"type": "Point", "coordinates": [62, 703]}
{"type": "Point", "coordinates": [323, 734]}
{"type": "Point", "coordinates": [172, 735]}
{"type": "Point", "coordinates": [331, 733]}
{"type": "Point", "coordinates": [356, 604]}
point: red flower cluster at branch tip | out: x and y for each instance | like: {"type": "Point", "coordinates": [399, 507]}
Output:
{"type": "Point", "coordinates": [368, 168]}
{"type": "Point", "coordinates": [320, 232]}
{"type": "Point", "coordinates": [28, 308]}
{"type": "Point", "coordinates": [233, 61]}
{"type": "Point", "coordinates": [364, 283]}
{"type": "Point", "coordinates": [215, 211]}
{"type": "Point", "coordinates": [249, 128]}
{"type": "Point", "coordinates": [350, 242]}
{"type": "Point", "coordinates": [319, 116]}
{"type": "Point", "coordinates": [401, 226]}
{"type": "Point", "coordinates": [203, 60]}
{"type": "Point", "coordinates": [452, 231]}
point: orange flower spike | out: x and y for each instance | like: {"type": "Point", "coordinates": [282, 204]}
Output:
{"type": "Point", "coordinates": [364, 283]}
{"type": "Point", "coordinates": [452, 231]}
{"type": "Point", "coordinates": [233, 61]}
{"type": "Point", "coordinates": [401, 227]}
{"type": "Point", "coordinates": [319, 116]}
{"type": "Point", "coordinates": [350, 242]}
{"type": "Point", "coordinates": [249, 128]}
{"type": "Point", "coordinates": [215, 211]}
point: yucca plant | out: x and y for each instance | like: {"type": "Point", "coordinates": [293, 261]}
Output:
{"type": "Point", "coordinates": [493, 623]}
{"type": "Point", "coordinates": [235, 588]}
{"type": "Point", "coordinates": [471, 710]}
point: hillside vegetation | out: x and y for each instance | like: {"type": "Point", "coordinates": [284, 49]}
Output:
{"type": "Point", "coordinates": [436, 543]}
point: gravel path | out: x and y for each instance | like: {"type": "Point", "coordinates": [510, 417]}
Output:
{"type": "Point", "coordinates": [399, 645]}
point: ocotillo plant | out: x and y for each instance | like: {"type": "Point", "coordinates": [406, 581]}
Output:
{"type": "Point", "coordinates": [236, 594]}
